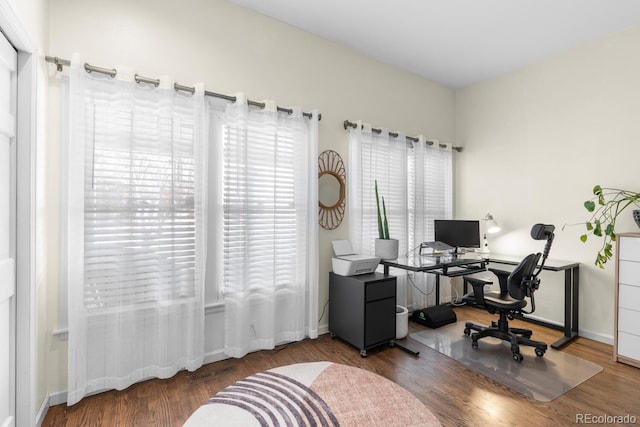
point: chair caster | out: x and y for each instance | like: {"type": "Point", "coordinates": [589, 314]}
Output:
{"type": "Point", "coordinates": [518, 357]}
{"type": "Point", "coordinates": [467, 331]}
{"type": "Point", "coordinates": [539, 352]}
{"type": "Point", "coordinates": [474, 340]}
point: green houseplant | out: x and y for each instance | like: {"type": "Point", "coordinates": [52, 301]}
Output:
{"type": "Point", "coordinates": [385, 246]}
{"type": "Point", "coordinates": [606, 205]}
{"type": "Point", "coordinates": [383, 224]}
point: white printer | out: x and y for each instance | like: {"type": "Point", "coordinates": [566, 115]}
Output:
{"type": "Point", "coordinates": [346, 263]}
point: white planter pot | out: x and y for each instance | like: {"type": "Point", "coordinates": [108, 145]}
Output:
{"type": "Point", "coordinates": [386, 249]}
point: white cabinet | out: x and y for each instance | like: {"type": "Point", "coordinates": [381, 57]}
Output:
{"type": "Point", "coordinates": [627, 320]}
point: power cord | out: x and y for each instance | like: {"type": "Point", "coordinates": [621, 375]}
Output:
{"type": "Point", "coordinates": [456, 302]}
{"type": "Point", "coordinates": [410, 278]}
{"type": "Point", "coordinates": [412, 250]}
{"type": "Point", "coordinates": [323, 310]}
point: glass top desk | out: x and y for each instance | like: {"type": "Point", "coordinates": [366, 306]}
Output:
{"type": "Point", "coordinates": [442, 264]}
{"type": "Point", "coordinates": [451, 265]}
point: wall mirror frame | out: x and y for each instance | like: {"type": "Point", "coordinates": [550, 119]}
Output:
{"type": "Point", "coordinates": [331, 189]}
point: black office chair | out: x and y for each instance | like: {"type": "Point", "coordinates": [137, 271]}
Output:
{"type": "Point", "coordinates": [510, 300]}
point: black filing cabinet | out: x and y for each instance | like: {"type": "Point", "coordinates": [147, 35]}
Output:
{"type": "Point", "coordinates": [362, 309]}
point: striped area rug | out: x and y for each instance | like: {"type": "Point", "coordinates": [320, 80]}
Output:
{"type": "Point", "coordinates": [313, 394]}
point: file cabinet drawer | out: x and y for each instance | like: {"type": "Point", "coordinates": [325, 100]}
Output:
{"type": "Point", "coordinates": [629, 273]}
{"type": "Point", "coordinates": [380, 290]}
{"type": "Point", "coordinates": [629, 297]}
{"type": "Point", "coordinates": [628, 320]}
{"type": "Point", "coordinates": [629, 249]}
{"type": "Point", "coordinates": [629, 345]}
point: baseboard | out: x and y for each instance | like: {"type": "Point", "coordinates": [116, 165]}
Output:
{"type": "Point", "coordinates": [215, 356]}
{"type": "Point", "coordinates": [323, 329]}
{"type": "Point", "coordinates": [606, 339]}
{"type": "Point", "coordinates": [42, 412]}
{"type": "Point", "coordinates": [53, 399]}
{"type": "Point", "coordinates": [58, 398]}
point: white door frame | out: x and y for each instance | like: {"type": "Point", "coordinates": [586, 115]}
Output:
{"type": "Point", "coordinates": [25, 215]}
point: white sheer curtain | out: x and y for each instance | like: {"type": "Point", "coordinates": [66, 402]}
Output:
{"type": "Point", "coordinates": [416, 181]}
{"type": "Point", "coordinates": [134, 197]}
{"type": "Point", "coordinates": [430, 197]}
{"type": "Point", "coordinates": [377, 156]}
{"type": "Point", "coordinates": [431, 192]}
{"type": "Point", "coordinates": [269, 221]}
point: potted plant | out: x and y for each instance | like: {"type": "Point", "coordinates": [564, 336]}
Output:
{"type": "Point", "coordinates": [606, 206]}
{"type": "Point", "coordinates": [385, 247]}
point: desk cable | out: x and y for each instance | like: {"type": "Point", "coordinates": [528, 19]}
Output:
{"type": "Point", "coordinates": [412, 250]}
{"type": "Point", "coordinates": [410, 279]}
{"type": "Point", "coordinates": [456, 302]}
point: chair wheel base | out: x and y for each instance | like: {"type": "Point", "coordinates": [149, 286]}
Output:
{"type": "Point", "coordinates": [516, 336]}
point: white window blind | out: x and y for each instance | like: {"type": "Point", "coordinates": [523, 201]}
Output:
{"type": "Point", "coordinates": [260, 207]}
{"type": "Point", "coordinates": [384, 160]}
{"type": "Point", "coordinates": [269, 222]}
{"type": "Point", "coordinates": [140, 228]}
{"type": "Point", "coordinates": [416, 181]}
{"type": "Point", "coordinates": [430, 188]}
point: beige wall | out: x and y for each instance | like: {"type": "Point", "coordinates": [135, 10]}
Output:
{"type": "Point", "coordinates": [34, 16]}
{"type": "Point", "coordinates": [536, 142]}
{"type": "Point", "coordinates": [232, 49]}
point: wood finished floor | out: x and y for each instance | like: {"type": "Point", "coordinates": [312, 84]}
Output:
{"type": "Point", "coordinates": [457, 395]}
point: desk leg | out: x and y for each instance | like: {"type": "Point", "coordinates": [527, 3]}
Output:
{"type": "Point", "coordinates": [571, 303]}
{"type": "Point", "coordinates": [407, 349]}
{"type": "Point", "coordinates": [396, 343]}
{"type": "Point", "coordinates": [437, 289]}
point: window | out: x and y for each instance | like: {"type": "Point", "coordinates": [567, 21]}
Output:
{"type": "Point", "coordinates": [140, 225]}
{"type": "Point", "coordinates": [415, 179]}
{"type": "Point", "coordinates": [132, 186]}
{"type": "Point", "coordinates": [260, 209]}
{"type": "Point", "coordinates": [268, 220]}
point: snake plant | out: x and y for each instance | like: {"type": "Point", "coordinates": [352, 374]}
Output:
{"type": "Point", "coordinates": [383, 224]}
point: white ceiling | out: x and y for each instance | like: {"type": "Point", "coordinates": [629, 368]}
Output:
{"type": "Point", "coordinates": [455, 42]}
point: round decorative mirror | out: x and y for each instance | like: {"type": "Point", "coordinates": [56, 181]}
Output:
{"type": "Point", "coordinates": [331, 189]}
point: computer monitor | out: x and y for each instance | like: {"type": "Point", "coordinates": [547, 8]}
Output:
{"type": "Point", "coordinates": [457, 233]}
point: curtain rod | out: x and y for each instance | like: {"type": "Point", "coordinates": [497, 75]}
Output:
{"type": "Point", "coordinates": [347, 124]}
{"type": "Point", "coordinates": [59, 62]}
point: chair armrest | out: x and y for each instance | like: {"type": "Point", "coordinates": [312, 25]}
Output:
{"type": "Point", "coordinates": [478, 285]}
{"type": "Point", "coordinates": [502, 275]}
{"type": "Point", "coordinates": [499, 272]}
